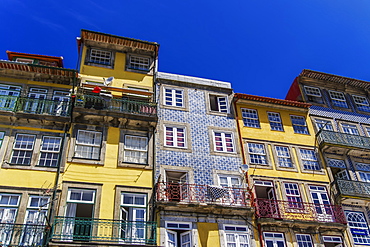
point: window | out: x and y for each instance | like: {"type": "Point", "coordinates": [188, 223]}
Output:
{"type": "Point", "coordinates": [365, 176]}
{"type": "Point", "coordinates": [367, 129]}
{"type": "Point", "coordinates": [223, 142]}
{"type": "Point", "coordinates": [358, 227]}
{"type": "Point", "coordinates": [136, 149]}
{"type": "Point", "coordinates": [24, 60]}
{"type": "Point", "coordinates": [2, 134]}
{"type": "Point", "coordinates": [349, 129]}
{"type": "Point", "coordinates": [283, 156]}
{"type": "Point", "coordinates": [274, 239]}
{"type": "Point", "coordinates": [60, 105]}
{"type": "Point", "coordinates": [100, 57]}
{"type": "Point", "coordinates": [324, 124]}
{"type": "Point", "coordinates": [88, 144]}
{"type": "Point", "coordinates": [175, 137]}
{"type": "Point", "coordinates": [338, 99]}
{"type": "Point", "coordinates": [299, 124]}
{"type": "Point", "coordinates": [336, 163]}
{"type": "Point", "coordinates": [257, 153]}
{"type": "Point", "coordinates": [237, 236]}
{"type": "Point", "coordinates": [174, 97]}
{"type": "Point", "coordinates": [8, 96]}
{"type": "Point", "coordinates": [304, 240]}
{"type": "Point", "coordinates": [133, 215]}
{"type": "Point", "coordinates": [49, 152]}
{"type": "Point", "coordinates": [232, 193]}
{"type": "Point", "coordinates": [178, 234]}
{"type": "Point", "coordinates": [309, 159]}
{"type": "Point", "coordinates": [293, 195]}
{"type": "Point", "coordinates": [361, 102]}
{"type": "Point", "coordinates": [218, 103]}
{"type": "Point", "coordinates": [313, 94]}
{"type": "Point", "coordinates": [332, 241]}
{"type": "Point", "coordinates": [139, 63]}
{"type": "Point", "coordinates": [250, 118]}
{"type": "Point", "coordinates": [275, 121]}
{"type": "Point", "coordinates": [22, 149]}
{"type": "Point", "coordinates": [8, 208]}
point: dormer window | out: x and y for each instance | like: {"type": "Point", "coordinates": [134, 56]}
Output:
{"type": "Point", "coordinates": [313, 94]}
{"type": "Point", "coordinates": [361, 102]}
{"type": "Point", "coordinates": [338, 99]}
{"type": "Point", "coordinates": [100, 58]}
{"type": "Point", "coordinates": [24, 60]}
{"type": "Point", "coordinates": [139, 63]}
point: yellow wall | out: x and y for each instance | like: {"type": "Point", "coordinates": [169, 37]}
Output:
{"type": "Point", "coordinates": [122, 78]}
{"type": "Point", "coordinates": [208, 234]}
{"type": "Point", "coordinates": [5, 80]}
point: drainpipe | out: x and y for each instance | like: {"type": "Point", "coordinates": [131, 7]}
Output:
{"type": "Point", "coordinates": [260, 235]}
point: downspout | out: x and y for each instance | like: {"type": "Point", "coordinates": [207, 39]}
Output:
{"type": "Point", "coordinates": [260, 235]}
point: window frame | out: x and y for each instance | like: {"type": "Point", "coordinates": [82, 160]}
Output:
{"type": "Point", "coordinates": [69, 191]}
{"type": "Point", "coordinates": [265, 154]}
{"type": "Point", "coordinates": [361, 106]}
{"type": "Point", "coordinates": [274, 239]}
{"type": "Point", "coordinates": [338, 101]}
{"type": "Point", "coordinates": [248, 120]}
{"type": "Point", "coordinates": [243, 230]}
{"type": "Point", "coordinates": [305, 242]}
{"type": "Point", "coordinates": [223, 142]}
{"type": "Point", "coordinates": [326, 123]}
{"type": "Point", "coordinates": [350, 127]}
{"type": "Point", "coordinates": [130, 68]}
{"type": "Point", "coordinates": [303, 160]}
{"type": "Point", "coordinates": [364, 229]}
{"type": "Point", "coordinates": [91, 62]}
{"type": "Point", "coordinates": [173, 94]}
{"type": "Point", "coordinates": [136, 150]}
{"type": "Point", "coordinates": [295, 201]}
{"type": "Point", "coordinates": [318, 97]}
{"type": "Point", "coordinates": [173, 136]}
{"type": "Point", "coordinates": [31, 151]}
{"type": "Point", "coordinates": [279, 124]}
{"type": "Point", "coordinates": [277, 157]}
{"type": "Point", "coordinates": [93, 146]}
{"type": "Point", "coordinates": [297, 127]}
{"type": "Point", "coordinates": [50, 152]}
{"type": "Point", "coordinates": [212, 98]}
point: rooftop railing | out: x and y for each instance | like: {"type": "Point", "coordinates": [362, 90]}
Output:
{"type": "Point", "coordinates": [353, 188]}
{"type": "Point", "coordinates": [342, 139]}
{"type": "Point", "coordinates": [72, 229]}
{"type": "Point", "coordinates": [122, 105]}
{"type": "Point", "coordinates": [22, 235]}
{"type": "Point", "coordinates": [202, 194]}
{"type": "Point", "coordinates": [302, 211]}
{"type": "Point", "coordinates": [34, 106]}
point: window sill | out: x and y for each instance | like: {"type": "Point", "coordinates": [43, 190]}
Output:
{"type": "Point", "coordinates": [135, 165]}
{"type": "Point", "coordinates": [99, 65]}
{"type": "Point", "coordinates": [28, 167]}
{"type": "Point", "coordinates": [139, 71]}
{"type": "Point", "coordinates": [85, 161]}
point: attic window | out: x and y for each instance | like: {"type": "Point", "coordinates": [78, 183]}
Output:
{"type": "Point", "coordinates": [139, 63]}
{"type": "Point", "coordinates": [100, 58]}
{"type": "Point", "coordinates": [313, 94]}
{"type": "Point", "coordinates": [24, 60]}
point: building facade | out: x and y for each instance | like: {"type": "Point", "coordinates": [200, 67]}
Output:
{"type": "Point", "coordinates": [340, 115]}
{"type": "Point", "coordinates": [201, 198]}
{"type": "Point", "coordinates": [286, 176]}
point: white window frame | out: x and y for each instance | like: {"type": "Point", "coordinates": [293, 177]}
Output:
{"type": "Point", "coordinates": [361, 102]}
{"type": "Point", "coordinates": [324, 124]}
{"type": "Point", "coordinates": [176, 130]}
{"type": "Point", "coordinates": [306, 242]}
{"type": "Point", "coordinates": [237, 231]}
{"type": "Point", "coordinates": [276, 236]}
{"type": "Point", "coordinates": [293, 195]}
{"type": "Point", "coordinates": [2, 135]}
{"type": "Point", "coordinates": [173, 97]}
{"type": "Point", "coordinates": [138, 149]}
{"type": "Point", "coordinates": [254, 155]}
{"type": "Point", "coordinates": [360, 225]}
{"type": "Point", "coordinates": [53, 154]}
{"type": "Point", "coordinates": [9, 209]}
{"type": "Point", "coordinates": [275, 121]}
{"type": "Point", "coordinates": [250, 118]}
{"type": "Point", "coordinates": [99, 59]}
{"type": "Point", "coordinates": [95, 146]}
{"type": "Point", "coordinates": [333, 239]}
{"type": "Point", "coordinates": [139, 63]}
{"type": "Point", "coordinates": [81, 191]}
{"type": "Point", "coordinates": [301, 126]}
{"type": "Point", "coordinates": [284, 158]}
{"type": "Point", "coordinates": [173, 230]}
{"type": "Point", "coordinates": [365, 176]}
{"type": "Point", "coordinates": [28, 150]}
{"type": "Point", "coordinates": [222, 103]}
{"type": "Point", "coordinates": [309, 159]}
{"type": "Point", "coordinates": [338, 99]}
{"type": "Point", "coordinates": [24, 60]}
{"type": "Point", "coordinates": [350, 129]}
{"type": "Point", "coordinates": [40, 211]}
{"type": "Point", "coordinates": [313, 92]}
{"type": "Point", "coordinates": [224, 141]}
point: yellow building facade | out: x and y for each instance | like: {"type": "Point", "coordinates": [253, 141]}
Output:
{"type": "Point", "coordinates": [287, 178]}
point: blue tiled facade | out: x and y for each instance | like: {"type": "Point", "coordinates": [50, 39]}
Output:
{"type": "Point", "coordinates": [199, 158]}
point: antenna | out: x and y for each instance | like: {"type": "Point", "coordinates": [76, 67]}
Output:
{"type": "Point", "coordinates": [108, 81]}
{"type": "Point", "coordinates": [244, 168]}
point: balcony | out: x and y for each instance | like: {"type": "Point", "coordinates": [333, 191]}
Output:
{"type": "Point", "coordinates": [70, 229]}
{"type": "Point", "coordinates": [330, 138]}
{"type": "Point", "coordinates": [353, 188]}
{"type": "Point", "coordinates": [202, 194]}
{"type": "Point", "coordinates": [34, 106]}
{"type": "Point", "coordinates": [118, 105]}
{"type": "Point", "coordinates": [299, 211]}
{"type": "Point", "coordinates": [22, 235]}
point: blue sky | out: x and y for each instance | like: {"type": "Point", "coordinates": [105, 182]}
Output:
{"type": "Point", "coordinates": [259, 46]}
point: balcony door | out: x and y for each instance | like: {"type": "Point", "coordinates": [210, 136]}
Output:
{"type": "Point", "coordinates": [61, 103]}
{"type": "Point", "coordinates": [36, 100]}
{"type": "Point", "coordinates": [177, 185]}
{"type": "Point", "coordinates": [8, 97]}
{"type": "Point", "coordinates": [322, 205]}
{"type": "Point", "coordinates": [79, 213]}
{"type": "Point", "coordinates": [266, 199]}
{"type": "Point", "coordinates": [234, 193]}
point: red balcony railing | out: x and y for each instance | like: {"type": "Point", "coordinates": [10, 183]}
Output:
{"type": "Point", "coordinates": [202, 194]}
{"type": "Point", "coordinates": [303, 211]}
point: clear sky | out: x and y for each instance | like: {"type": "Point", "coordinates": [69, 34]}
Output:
{"type": "Point", "coordinates": [259, 46]}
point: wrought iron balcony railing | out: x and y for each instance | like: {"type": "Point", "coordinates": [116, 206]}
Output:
{"type": "Point", "coordinates": [336, 138]}
{"type": "Point", "coordinates": [202, 194]}
{"type": "Point", "coordinates": [302, 211]}
{"type": "Point", "coordinates": [100, 230]}
{"type": "Point", "coordinates": [353, 188]}
{"type": "Point", "coordinates": [22, 235]}
{"type": "Point", "coordinates": [35, 106]}
{"type": "Point", "coordinates": [123, 105]}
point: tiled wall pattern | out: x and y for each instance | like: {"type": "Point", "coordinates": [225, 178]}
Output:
{"type": "Point", "coordinates": [200, 158]}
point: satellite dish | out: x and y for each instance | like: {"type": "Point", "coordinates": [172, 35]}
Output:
{"type": "Point", "coordinates": [244, 167]}
{"type": "Point", "coordinates": [108, 81]}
